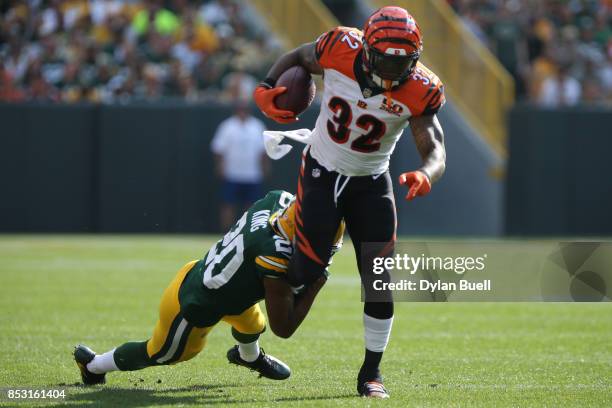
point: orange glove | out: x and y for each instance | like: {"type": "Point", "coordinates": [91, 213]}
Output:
{"type": "Point", "coordinates": [264, 98]}
{"type": "Point", "coordinates": [418, 184]}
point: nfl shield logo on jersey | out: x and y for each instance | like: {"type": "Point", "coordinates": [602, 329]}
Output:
{"type": "Point", "coordinates": [316, 172]}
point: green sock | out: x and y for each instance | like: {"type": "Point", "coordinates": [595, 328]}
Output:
{"type": "Point", "coordinates": [133, 356]}
{"type": "Point", "coordinates": [244, 338]}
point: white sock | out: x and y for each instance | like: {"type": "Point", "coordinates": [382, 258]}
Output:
{"type": "Point", "coordinates": [376, 332]}
{"type": "Point", "coordinates": [249, 351]}
{"type": "Point", "coordinates": [103, 363]}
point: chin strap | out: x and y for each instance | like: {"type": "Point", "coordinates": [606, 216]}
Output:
{"type": "Point", "coordinates": [383, 83]}
{"type": "Point", "coordinates": [387, 85]}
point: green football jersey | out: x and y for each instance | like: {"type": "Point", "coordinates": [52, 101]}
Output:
{"type": "Point", "coordinates": [229, 279]}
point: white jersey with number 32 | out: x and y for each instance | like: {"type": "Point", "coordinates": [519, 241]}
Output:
{"type": "Point", "coordinates": [356, 132]}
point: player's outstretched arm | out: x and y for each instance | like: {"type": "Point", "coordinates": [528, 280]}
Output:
{"type": "Point", "coordinates": [285, 311]}
{"type": "Point", "coordinates": [429, 140]}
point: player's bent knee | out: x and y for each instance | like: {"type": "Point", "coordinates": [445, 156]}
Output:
{"type": "Point", "coordinates": [187, 346]}
{"type": "Point", "coordinates": [251, 321]}
{"type": "Point", "coordinates": [195, 343]}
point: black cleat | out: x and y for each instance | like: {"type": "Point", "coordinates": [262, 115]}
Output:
{"type": "Point", "coordinates": [267, 366]}
{"type": "Point", "coordinates": [83, 356]}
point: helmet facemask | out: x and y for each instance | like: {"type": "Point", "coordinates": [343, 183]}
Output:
{"type": "Point", "coordinates": [390, 68]}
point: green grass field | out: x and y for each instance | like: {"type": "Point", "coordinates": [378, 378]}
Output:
{"type": "Point", "coordinates": [57, 291]}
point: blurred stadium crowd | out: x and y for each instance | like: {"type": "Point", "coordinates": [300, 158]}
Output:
{"type": "Point", "coordinates": [129, 50]}
{"type": "Point", "coordinates": [558, 51]}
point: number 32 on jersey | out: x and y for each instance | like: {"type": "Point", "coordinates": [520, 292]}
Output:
{"type": "Point", "coordinates": [339, 130]}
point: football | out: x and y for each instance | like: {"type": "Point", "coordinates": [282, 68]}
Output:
{"type": "Point", "coordinates": [300, 90]}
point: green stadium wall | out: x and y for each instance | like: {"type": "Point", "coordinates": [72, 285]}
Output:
{"type": "Point", "coordinates": [559, 179]}
{"type": "Point", "coordinates": [136, 168]}
{"type": "Point", "coordinates": [148, 168]}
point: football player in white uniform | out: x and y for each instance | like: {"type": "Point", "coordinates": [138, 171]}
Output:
{"type": "Point", "coordinates": [374, 87]}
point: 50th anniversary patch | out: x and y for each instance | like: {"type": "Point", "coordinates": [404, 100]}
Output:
{"type": "Point", "coordinates": [487, 271]}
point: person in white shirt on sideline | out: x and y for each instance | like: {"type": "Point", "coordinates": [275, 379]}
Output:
{"type": "Point", "coordinates": [560, 90]}
{"type": "Point", "coordinates": [240, 161]}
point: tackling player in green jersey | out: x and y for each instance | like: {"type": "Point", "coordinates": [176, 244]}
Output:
{"type": "Point", "coordinates": [245, 266]}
